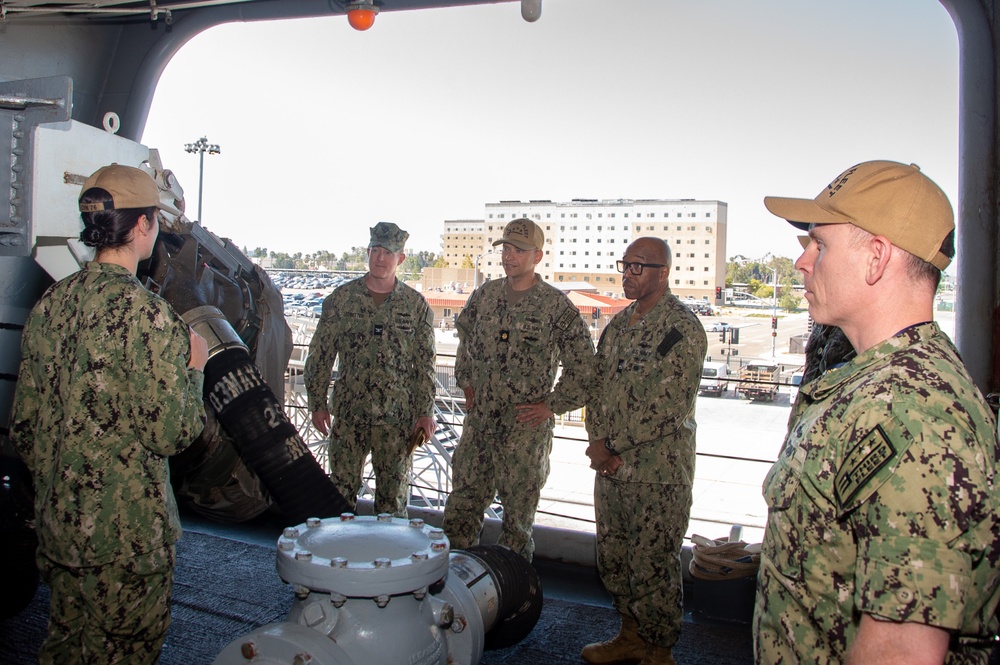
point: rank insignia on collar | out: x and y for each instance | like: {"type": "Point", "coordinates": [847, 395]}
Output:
{"type": "Point", "coordinates": [504, 335]}
{"type": "Point", "coordinates": [377, 329]}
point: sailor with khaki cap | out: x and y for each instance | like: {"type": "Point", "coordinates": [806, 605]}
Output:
{"type": "Point", "coordinates": [880, 543]}
{"type": "Point", "coordinates": [512, 336]}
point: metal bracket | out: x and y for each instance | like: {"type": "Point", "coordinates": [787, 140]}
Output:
{"type": "Point", "coordinates": [23, 106]}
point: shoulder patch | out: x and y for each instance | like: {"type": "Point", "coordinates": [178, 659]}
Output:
{"type": "Point", "coordinates": [669, 341]}
{"type": "Point", "coordinates": [565, 319]}
{"type": "Point", "coordinates": [863, 461]}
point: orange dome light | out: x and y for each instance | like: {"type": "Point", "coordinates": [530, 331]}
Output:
{"type": "Point", "coordinates": [361, 15]}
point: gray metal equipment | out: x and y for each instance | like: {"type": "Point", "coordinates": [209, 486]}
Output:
{"type": "Point", "coordinates": [384, 591]}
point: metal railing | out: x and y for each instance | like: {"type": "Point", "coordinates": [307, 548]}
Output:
{"type": "Point", "coordinates": [430, 479]}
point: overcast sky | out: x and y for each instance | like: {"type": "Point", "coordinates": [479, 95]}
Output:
{"type": "Point", "coordinates": [431, 114]}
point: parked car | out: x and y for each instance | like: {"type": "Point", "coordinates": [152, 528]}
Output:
{"type": "Point", "coordinates": [796, 382]}
{"type": "Point", "coordinates": [714, 379]}
{"type": "Point", "coordinates": [721, 326]}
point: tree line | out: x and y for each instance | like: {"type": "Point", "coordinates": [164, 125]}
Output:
{"type": "Point", "coordinates": [759, 274]}
{"type": "Point", "coordinates": [355, 259]}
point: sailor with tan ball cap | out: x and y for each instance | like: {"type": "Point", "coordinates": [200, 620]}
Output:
{"type": "Point", "coordinates": [883, 510]}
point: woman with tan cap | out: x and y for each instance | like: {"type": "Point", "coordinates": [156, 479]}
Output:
{"type": "Point", "coordinates": [110, 385]}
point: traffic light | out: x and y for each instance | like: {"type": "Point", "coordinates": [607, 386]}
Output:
{"type": "Point", "coordinates": [722, 336]}
{"type": "Point", "coordinates": [734, 335]}
{"type": "Point", "coordinates": [718, 293]}
{"type": "Point", "coordinates": [774, 323]}
{"type": "Point", "coordinates": [596, 313]}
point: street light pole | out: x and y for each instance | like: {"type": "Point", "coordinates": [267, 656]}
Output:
{"type": "Point", "coordinates": [774, 313]}
{"type": "Point", "coordinates": [201, 146]}
{"type": "Point", "coordinates": [476, 276]}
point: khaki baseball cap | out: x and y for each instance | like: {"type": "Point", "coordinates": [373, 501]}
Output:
{"type": "Point", "coordinates": [884, 198]}
{"type": "Point", "coordinates": [523, 234]}
{"type": "Point", "coordinates": [388, 235]}
{"type": "Point", "coordinates": [128, 186]}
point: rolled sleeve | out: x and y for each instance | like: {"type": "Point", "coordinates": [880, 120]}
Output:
{"type": "Point", "coordinates": [913, 580]}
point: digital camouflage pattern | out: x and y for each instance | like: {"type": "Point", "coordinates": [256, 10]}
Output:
{"type": "Point", "coordinates": [883, 502]}
{"type": "Point", "coordinates": [385, 377]}
{"type": "Point", "coordinates": [645, 389]}
{"type": "Point", "coordinates": [643, 403]}
{"type": "Point", "coordinates": [509, 354]}
{"type": "Point", "coordinates": [391, 462]}
{"type": "Point", "coordinates": [103, 396]}
{"type": "Point", "coordinates": [512, 463]}
{"type": "Point", "coordinates": [129, 630]}
{"type": "Point", "coordinates": [640, 534]}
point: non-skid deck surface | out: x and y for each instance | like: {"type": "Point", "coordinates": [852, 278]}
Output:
{"type": "Point", "coordinates": [225, 588]}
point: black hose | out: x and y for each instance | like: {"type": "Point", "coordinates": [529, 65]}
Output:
{"type": "Point", "coordinates": [520, 594]}
{"type": "Point", "coordinates": [269, 444]}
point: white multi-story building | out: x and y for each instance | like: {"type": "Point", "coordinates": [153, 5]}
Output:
{"type": "Point", "coordinates": [585, 237]}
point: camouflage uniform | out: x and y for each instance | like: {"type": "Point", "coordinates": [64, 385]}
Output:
{"type": "Point", "coordinates": [385, 381]}
{"type": "Point", "coordinates": [103, 396]}
{"type": "Point", "coordinates": [509, 354]}
{"type": "Point", "coordinates": [883, 502]}
{"type": "Point", "coordinates": [643, 403]}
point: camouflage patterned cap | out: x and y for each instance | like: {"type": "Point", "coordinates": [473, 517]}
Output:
{"type": "Point", "coordinates": [388, 235]}
{"type": "Point", "coordinates": [523, 234]}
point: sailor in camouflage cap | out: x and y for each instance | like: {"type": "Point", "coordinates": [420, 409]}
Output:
{"type": "Point", "coordinates": [881, 542]}
{"type": "Point", "coordinates": [382, 331]}
{"type": "Point", "coordinates": [389, 236]}
{"type": "Point", "coordinates": [513, 334]}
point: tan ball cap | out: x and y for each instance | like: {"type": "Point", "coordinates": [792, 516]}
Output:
{"type": "Point", "coordinates": [128, 186]}
{"type": "Point", "coordinates": [523, 234]}
{"type": "Point", "coordinates": [884, 198]}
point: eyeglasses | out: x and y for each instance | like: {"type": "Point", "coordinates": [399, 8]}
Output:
{"type": "Point", "coordinates": [636, 268]}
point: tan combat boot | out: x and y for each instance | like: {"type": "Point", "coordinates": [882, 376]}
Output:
{"type": "Point", "coordinates": [658, 656]}
{"type": "Point", "coordinates": [626, 646]}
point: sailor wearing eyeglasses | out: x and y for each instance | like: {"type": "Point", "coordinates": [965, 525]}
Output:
{"type": "Point", "coordinates": [641, 426]}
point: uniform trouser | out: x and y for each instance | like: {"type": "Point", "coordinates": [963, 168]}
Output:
{"type": "Point", "coordinates": [114, 613]}
{"type": "Point", "coordinates": [513, 464]}
{"type": "Point", "coordinates": [640, 532]}
{"type": "Point", "coordinates": [350, 445]}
